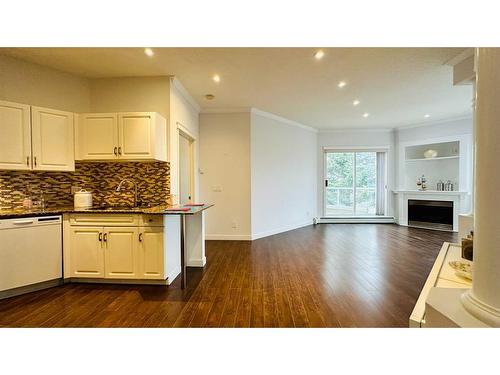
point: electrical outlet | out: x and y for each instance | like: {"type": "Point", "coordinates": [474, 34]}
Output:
{"type": "Point", "coordinates": [217, 188]}
{"type": "Point", "coordinates": [234, 224]}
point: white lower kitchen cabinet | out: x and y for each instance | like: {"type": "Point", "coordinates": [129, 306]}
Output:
{"type": "Point", "coordinates": [115, 247]}
{"type": "Point", "coordinates": [121, 257]}
{"type": "Point", "coordinates": [87, 252]}
{"type": "Point", "coordinates": [151, 253]}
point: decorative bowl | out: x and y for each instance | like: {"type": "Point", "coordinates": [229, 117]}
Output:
{"type": "Point", "coordinates": [429, 154]}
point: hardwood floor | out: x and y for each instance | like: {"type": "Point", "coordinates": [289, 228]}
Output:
{"type": "Point", "coordinates": [333, 275]}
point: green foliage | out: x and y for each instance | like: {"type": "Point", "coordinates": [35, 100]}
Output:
{"type": "Point", "coordinates": [339, 166]}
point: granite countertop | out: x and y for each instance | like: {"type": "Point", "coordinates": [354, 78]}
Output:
{"type": "Point", "coordinates": [154, 210]}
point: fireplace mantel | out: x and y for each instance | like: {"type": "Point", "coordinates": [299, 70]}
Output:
{"type": "Point", "coordinates": [431, 192]}
{"type": "Point", "coordinates": [404, 195]}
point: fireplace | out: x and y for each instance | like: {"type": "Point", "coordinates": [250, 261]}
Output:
{"type": "Point", "coordinates": [430, 214]}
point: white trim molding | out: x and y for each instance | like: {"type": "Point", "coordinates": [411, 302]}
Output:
{"type": "Point", "coordinates": [258, 112]}
{"type": "Point", "coordinates": [467, 116]}
{"type": "Point", "coordinates": [356, 220]}
{"type": "Point", "coordinates": [272, 116]}
{"type": "Point", "coordinates": [282, 229]}
{"type": "Point", "coordinates": [228, 237]}
{"type": "Point", "coordinates": [184, 93]}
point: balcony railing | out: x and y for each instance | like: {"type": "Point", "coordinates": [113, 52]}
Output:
{"type": "Point", "coordinates": [340, 201]}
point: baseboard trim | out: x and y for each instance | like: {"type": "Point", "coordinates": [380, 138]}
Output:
{"type": "Point", "coordinates": [89, 280]}
{"type": "Point", "coordinates": [197, 262]}
{"type": "Point", "coordinates": [245, 237]}
{"type": "Point", "coordinates": [30, 288]}
{"type": "Point", "coordinates": [173, 274]}
{"type": "Point", "coordinates": [356, 220]}
{"type": "Point", "coordinates": [285, 228]}
{"type": "Point", "coordinates": [228, 237]}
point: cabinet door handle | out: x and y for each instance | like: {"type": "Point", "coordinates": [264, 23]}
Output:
{"type": "Point", "coordinates": [105, 237]}
{"type": "Point", "coordinates": [100, 236]}
{"type": "Point", "coordinates": [140, 237]}
{"type": "Point", "coordinates": [119, 150]}
{"type": "Point", "coordinates": [115, 151]}
{"type": "Point", "coordinates": [34, 160]}
{"type": "Point", "coordinates": [28, 161]}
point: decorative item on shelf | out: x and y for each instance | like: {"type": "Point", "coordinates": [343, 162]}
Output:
{"type": "Point", "coordinates": [467, 246]}
{"type": "Point", "coordinates": [462, 269]}
{"type": "Point", "coordinates": [448, 186]}
{"type": "Point", "coordinates": [429, 154]}
{"type": "Point", "coordinates": [422, 183]}
{"type": "Point", "coordinates": [440, 186]}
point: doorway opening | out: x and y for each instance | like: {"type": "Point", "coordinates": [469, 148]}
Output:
{"type": "Point", "coordinates": [355, 183]}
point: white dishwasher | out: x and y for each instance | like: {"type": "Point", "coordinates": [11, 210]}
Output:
{"type": "Point", "coordinates": [30, 254]}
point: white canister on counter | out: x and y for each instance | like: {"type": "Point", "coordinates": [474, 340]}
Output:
{"type": "Point", "coordinates": [83, 199]}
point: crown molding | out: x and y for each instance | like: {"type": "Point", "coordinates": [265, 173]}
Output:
{"type": "Point", "coordinates": [465, 54]}
{"type": "Point", "coordinates": [284, 120]}
{"type": "Point", "coordinates": [357, 130]}
{"type": "Point", "coordinates": [258, 112]}
{"type": "Point", "coordinates": [184, 93]}
{"type": "Point", "coordinates": [437, 122]}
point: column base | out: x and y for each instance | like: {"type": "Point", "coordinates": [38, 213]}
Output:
{"type": "Point", "coordinates": [486, 313]}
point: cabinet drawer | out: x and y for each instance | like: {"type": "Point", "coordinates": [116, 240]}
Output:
{"type": "Point", "coordinates": [116, 220]}
{"type": "Point", "coordinates": [151, 220]}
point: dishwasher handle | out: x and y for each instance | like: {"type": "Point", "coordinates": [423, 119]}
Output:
{"type": "Point", "coordinates": [23, 222]}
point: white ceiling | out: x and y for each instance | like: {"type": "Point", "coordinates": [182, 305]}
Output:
{"type": "Point", "coordinates": [397, 86]}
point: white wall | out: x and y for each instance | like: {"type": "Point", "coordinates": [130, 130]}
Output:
{"type": "Point", "coordinates": [283, 174]}
{"type": "Point", "coordinates": [357, 139]}
{"type": "Point", "coordinates": [225, 164]}
{"type": "Point", "coordinates": [33, 84]}
{"type": "Point", "coordinates": [446, 131]}
{"type": "Point", "coordinates": [131, 94]}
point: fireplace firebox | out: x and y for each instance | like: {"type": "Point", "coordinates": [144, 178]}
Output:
{"type": "Point", "coordinates": [428, 214]}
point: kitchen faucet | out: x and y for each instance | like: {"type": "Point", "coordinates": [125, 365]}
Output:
{"type": "Point", "coordinates": [136, 194]}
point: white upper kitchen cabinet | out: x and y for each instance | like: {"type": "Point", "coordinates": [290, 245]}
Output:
{"type": "Point", "coordinates": [124, 136]}
{"type": "Point", "coordinates": [15, 136]}
{"type": "Point", "coordinates": [52, 138]}
{"type": "Point", "coordinates": [97, 136]}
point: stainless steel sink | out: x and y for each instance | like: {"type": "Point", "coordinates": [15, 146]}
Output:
{"type": "Point", "coordinates": [107, 207]}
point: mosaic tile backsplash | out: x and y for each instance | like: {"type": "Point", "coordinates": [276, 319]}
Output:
{"type": "Point", "coordinates": [101, 179]}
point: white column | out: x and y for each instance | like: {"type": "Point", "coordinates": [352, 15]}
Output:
{"type": "Point", "coordinates": [483, 300]}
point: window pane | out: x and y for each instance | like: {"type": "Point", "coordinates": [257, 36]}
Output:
{"type": "Point", "coordinates": [340, 192]}
{"type": "Point", "coordinates": [366, 183]}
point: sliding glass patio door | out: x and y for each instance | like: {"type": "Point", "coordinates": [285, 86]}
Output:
{"type": "Point", "coordinates": [354, 183]}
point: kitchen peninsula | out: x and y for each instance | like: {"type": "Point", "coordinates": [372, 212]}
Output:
{"type": "Point", "coordinates": [134, 245]}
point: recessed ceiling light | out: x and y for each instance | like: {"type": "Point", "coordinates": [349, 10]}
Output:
{"type": "Point", "coordinates": [427, 116]}
{"type": "Point", "coordinates": [341, 84]}
{"type": "Point", "coordinates": [149, 52]}
{"type": "Point", "coordinates": [216, 78]}
{"type": "Point", "coordinates": [355, 102]}
{"type": "Point", "coordinates": [209, 97]}
{"type": "Point", "coordinates": [365, 115]}
{"type": "Point", "coordinates": [318, 55]}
